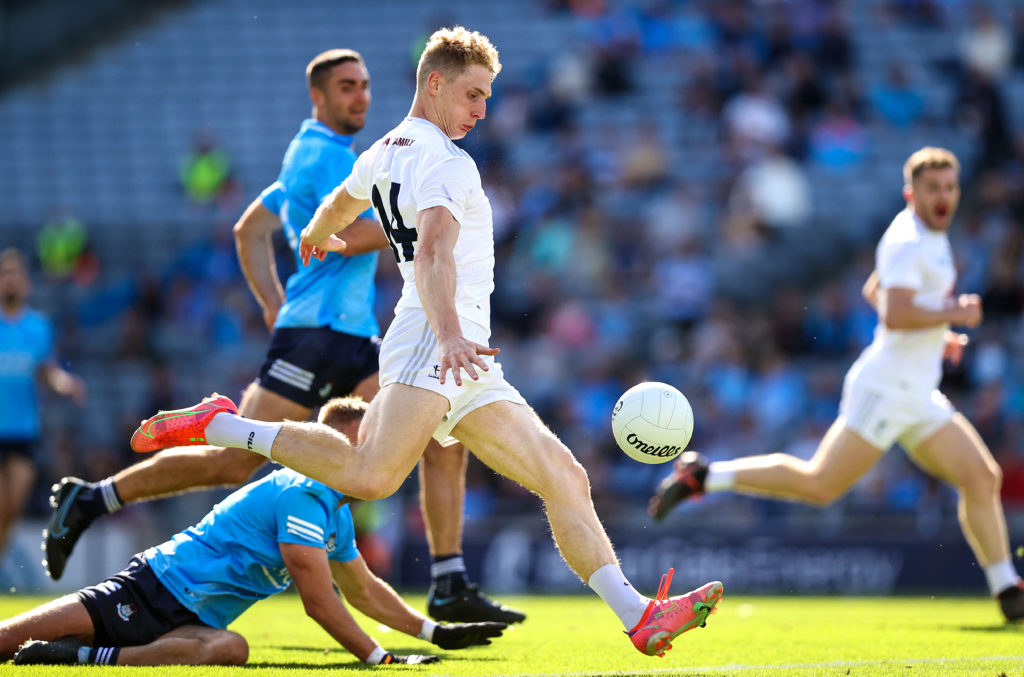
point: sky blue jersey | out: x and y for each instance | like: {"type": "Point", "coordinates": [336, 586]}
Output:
{"type": "Point", "coordinates": [231, 559]}
{"type": "Point", "coordinates": [26, 341]}
{"type": "Point", "coordinates": [337, 292]}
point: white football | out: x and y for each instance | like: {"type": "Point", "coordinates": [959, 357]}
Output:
{"type": "Point", "coordinates": [652, 422]}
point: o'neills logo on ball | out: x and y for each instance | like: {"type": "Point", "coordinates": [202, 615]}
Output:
{"type": "Point", "coordinates": [641, 446]}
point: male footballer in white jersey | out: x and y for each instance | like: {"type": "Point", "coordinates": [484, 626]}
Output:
{"type": "Point", "coordinates": [428, 195]}
{"type": "Point", "coordinates": [891, 392]}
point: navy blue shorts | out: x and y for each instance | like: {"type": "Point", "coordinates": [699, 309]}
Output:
{"type": "Point", "coordinates": [310, 366]}
{"type": "Point", "coordinates": [26, 449]}
{"type": "Point", "coordinates": [132, 607]}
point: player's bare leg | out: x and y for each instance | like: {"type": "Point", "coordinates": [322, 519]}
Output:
{"type": "Point", "coordinates": [842, 458]}
{"type": "Point", "coordinates": [77, 503]}
{"type": "Point", "coordinates": [957, 454]}
{"type": "Point", "coordinates": [63, 617]}
{"type": "Point", "coordinates": [442, 473]}
{"type": "Point", "coordinates": [17, 476]}
{"type": "Point", "coordinates": [175, 470]}
{"type": "Point", "coordinates": [189, 645]}
{"type": "Point", "coordinates": [395, 431]}
{"type": "Point", "coordinates": [512, 440]}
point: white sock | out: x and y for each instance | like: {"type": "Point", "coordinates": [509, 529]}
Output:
{"type": "Point", "coordinates": [1000, 576]}
{"type": "Point", "coordinates": [612, 586]}
{"type": "Point", "coordinates": [236, 432]}
{"type": "Point", "coordinates": [720, 477]}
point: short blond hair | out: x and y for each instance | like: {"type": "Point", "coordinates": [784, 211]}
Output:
{"type": "Point", "coordinates": [929, 157]}
{"type": "Point", "coordinates": [342, 410]}
{"type": "Point", "coordinates": [451, 50]}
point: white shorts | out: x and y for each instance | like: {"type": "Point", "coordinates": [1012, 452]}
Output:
{"type": "Point", "coordinates": [883, 415]}
{"type": "Point", "coordinates": [409, 355]}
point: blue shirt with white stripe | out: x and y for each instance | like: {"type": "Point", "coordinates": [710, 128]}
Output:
{"type": "Point", "coordinates": [26, 342]}
{"type": "Point", "coordinates": [337, 292]}
{"type": "Point", "coordinates": [232, 558]}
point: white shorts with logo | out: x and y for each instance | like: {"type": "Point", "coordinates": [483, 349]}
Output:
{"type": "Point", "coordinates": [884, 414]}
{"type": "Point", "coordinates": [409, 355]}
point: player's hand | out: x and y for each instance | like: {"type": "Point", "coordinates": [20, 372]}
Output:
{"type": "Point", "coordinates": [954, 350]}
{"type": "Point", "coordinates": [309, 248]}
{"type": "Point", "coordinates": [461, 635]}
{"type": "Point", "coordinates": [968, 310]}
{"type": "Point", "coordinates": [411, 659]}
{"type": "Point", "coordinates": [460, 353]}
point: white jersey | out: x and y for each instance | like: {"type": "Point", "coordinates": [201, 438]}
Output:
{"type": "Point", "coordinates": [414, 167]}
{"type": "Point", "coordinates": [911, 256]}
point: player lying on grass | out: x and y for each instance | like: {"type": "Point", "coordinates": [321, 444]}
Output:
{"type": "Point", "coordinates": [172, 604]}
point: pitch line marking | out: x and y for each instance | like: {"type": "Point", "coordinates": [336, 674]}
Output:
{"type": "Point", "coordinates": [777, 666]}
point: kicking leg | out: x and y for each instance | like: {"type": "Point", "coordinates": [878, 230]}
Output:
{"type": "Point", "coordinates": [511, 439]}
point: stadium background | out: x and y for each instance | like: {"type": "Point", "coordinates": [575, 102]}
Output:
{"type": "Point", "coordinates": [686, 191]}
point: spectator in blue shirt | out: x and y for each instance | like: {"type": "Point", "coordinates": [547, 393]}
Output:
{"type": "Point", "coordinates": [26, 355]}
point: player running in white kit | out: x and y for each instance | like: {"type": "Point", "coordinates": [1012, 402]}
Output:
{"type": "Point", "coordinates": [891, 392]}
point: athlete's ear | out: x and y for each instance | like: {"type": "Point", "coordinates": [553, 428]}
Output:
{"type": "Point", "coordinates": [434, 81]}
{"type": "Point", "coordinates": [316, 95]}
{"type": "Point", "coordinates": [908, 193]}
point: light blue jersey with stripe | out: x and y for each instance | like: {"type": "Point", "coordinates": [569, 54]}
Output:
{"type": "Point", "coordinates": [232, 558]}
{"type": "Point", "coordinates": [337, 292]}
{"type": "Point", "coordinates": [26, 342]}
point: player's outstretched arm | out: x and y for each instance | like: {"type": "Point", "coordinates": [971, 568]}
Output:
{"type": "Point", "coordinates": [256, 257]}
{"type": "Point", "coordinates": [378, 600]}
{"type": "Point", "coordinates": [337, 211]}
{"type": "Point", "coordinates": [311, 574]}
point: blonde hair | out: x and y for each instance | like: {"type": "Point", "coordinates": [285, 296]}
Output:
{"type": "Point", "coordinates": [451, 50]}
{"type": "Point", "coordinates": [929, 157]}
{"type": "Point", "coordinates": [341, 410]}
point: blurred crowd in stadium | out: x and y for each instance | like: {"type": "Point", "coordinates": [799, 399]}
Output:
{"type": "Point", "coordinates": [710, 227]}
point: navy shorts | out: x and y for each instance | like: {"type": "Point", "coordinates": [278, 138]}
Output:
{"type": "Point", "coordinates": [132, 607]}
{"type": "Point", "coordinates": [26, 449]}
{"type": "Point", "coordinates": [310, 366]}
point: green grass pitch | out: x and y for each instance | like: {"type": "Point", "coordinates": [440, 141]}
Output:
{"type": "Point", "coordinates": [747, 637]}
